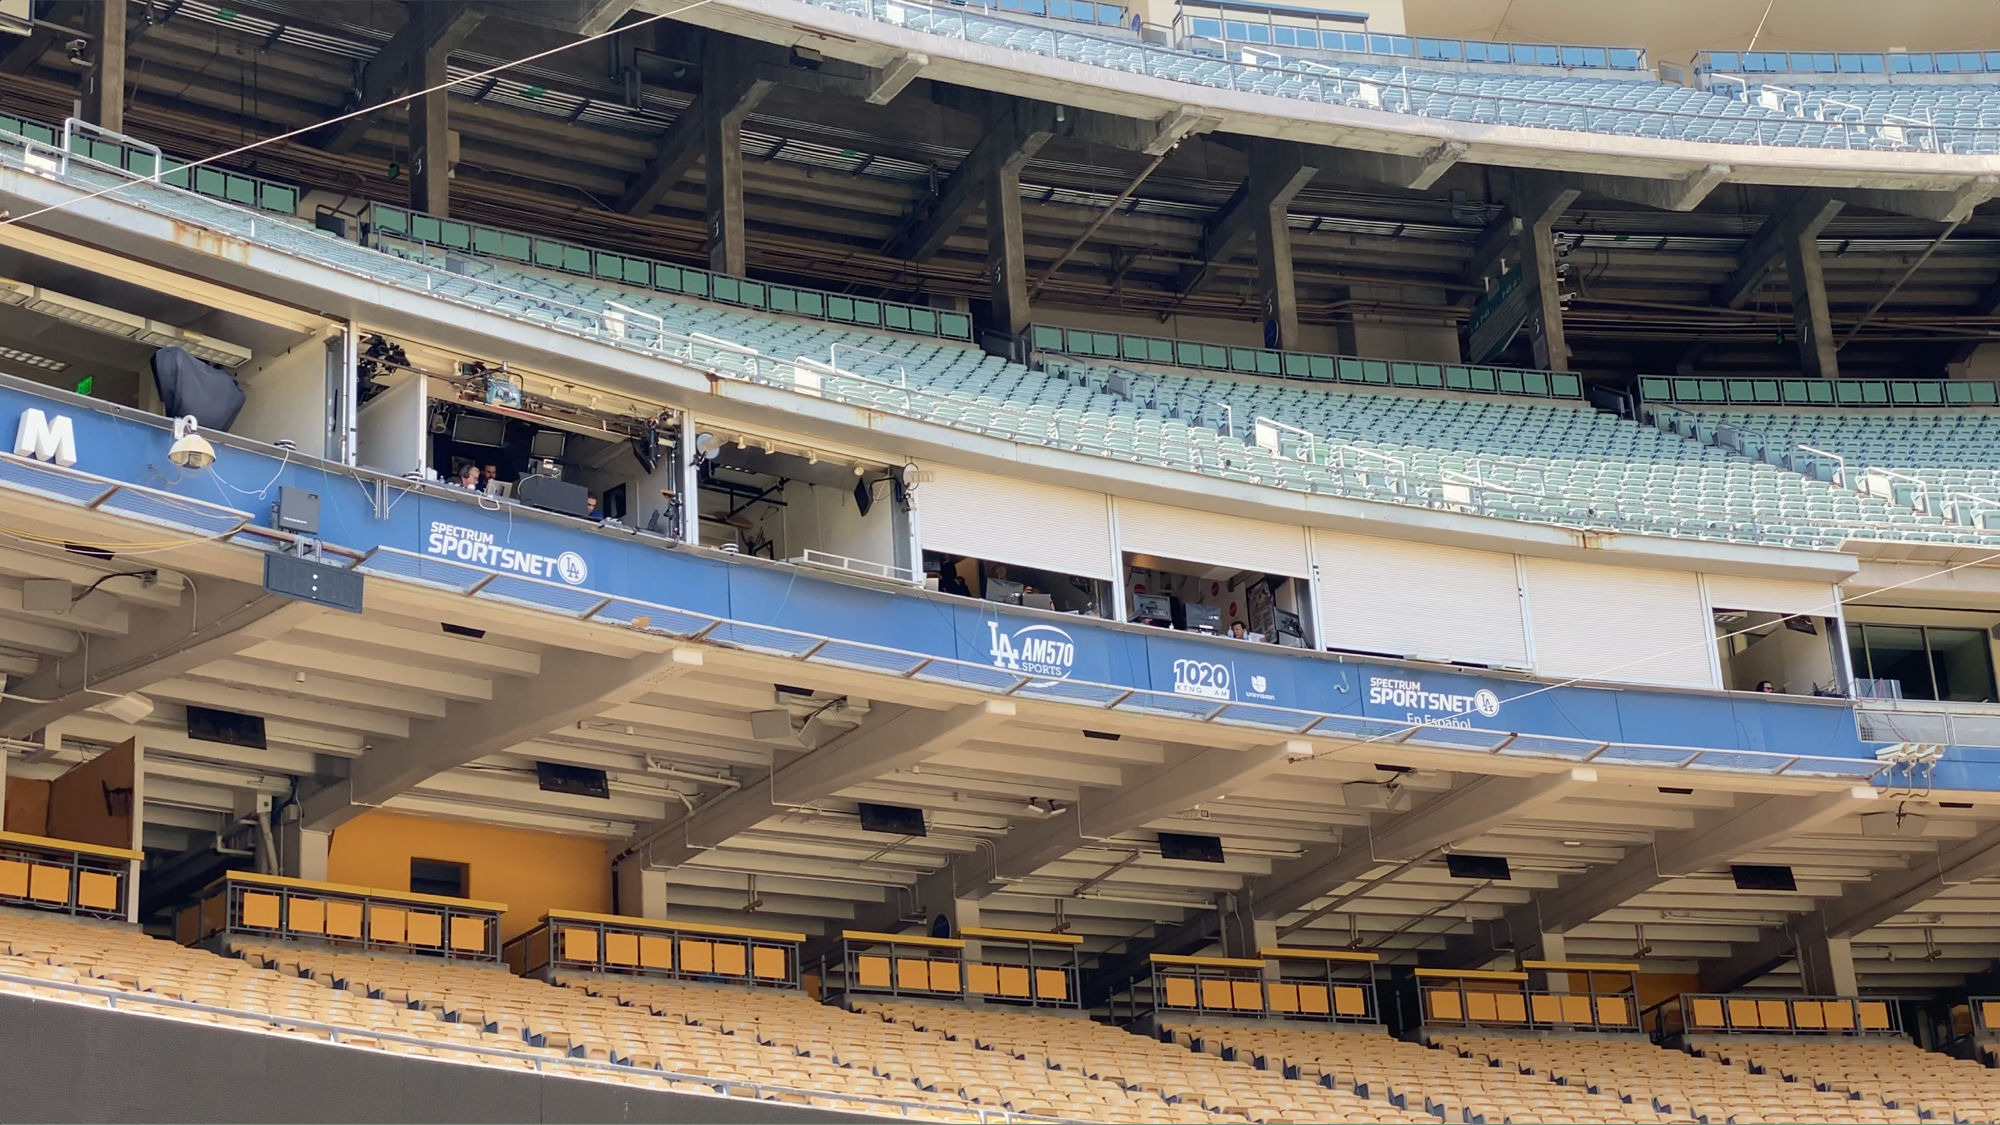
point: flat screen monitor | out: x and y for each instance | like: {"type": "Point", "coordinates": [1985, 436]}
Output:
{"type": "Point", "coordinates": [894, 819]}
{"type": "Point", "coordinates": [548, 443]}
{"type": "Point", "coordinates": [1038, 601]}
{"type": "Point", "coordinates": [479, 429]}
{"type": "Point", "coordinates": [1288, 624]}
{"type": "Point", "coordinates": [1004, 590]}
{"type": "Point", "coordinates": [1152, 607]}
{"type": "Point", "coordinates": [1203, 618]}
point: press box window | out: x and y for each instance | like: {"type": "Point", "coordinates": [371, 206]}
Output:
{"type": "Point", "coordinates": [437, 877]}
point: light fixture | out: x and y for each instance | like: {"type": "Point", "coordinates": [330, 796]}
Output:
{"type": "Point", "coordinates": [118, 322]}
{"type": "Point", "coordinates": [190, 450]}
{"type": "Point", "coordinates": [1572, 843]}
{"type": "Point", "coordinates": [30, 359]}
{"type": "Point", "coordinates": [1035, 807]}
{"type": "Point", "coordinates": [129, 708]}
{"type": "Point", "coordinates": [914, 475]}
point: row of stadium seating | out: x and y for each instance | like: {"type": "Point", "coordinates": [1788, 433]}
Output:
{"type": "Point", "coordinates": [947, 1062]}
{"type": "Point", "coordinates": [1604, 105]}
{"type": "Point", "coordinates": [1542, 462]}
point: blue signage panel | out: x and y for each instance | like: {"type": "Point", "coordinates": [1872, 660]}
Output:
{"type": "Point", "coordinates": [536, 557]}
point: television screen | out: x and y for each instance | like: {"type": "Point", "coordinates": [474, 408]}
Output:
{"type": "Point", "coordinates": [1153, 606]}
{"type": "Point", "coordinates": [1204, 617]}
{"type": "Point", "coordinates": [227, 727]}
{"type": "Point", "coordinates": [1004, 590]}
{"type": "Point", "coordinates": [549, 443]}
{"type": "Point", "coordinates": [1187, 846]}
{"type": "Point", "coordinates": [479, 429]}
{"type": "Point", "coordinates": [894, 819]}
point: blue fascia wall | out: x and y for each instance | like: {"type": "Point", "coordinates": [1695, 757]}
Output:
{"type": "Point", "coordinates": [450, 539]}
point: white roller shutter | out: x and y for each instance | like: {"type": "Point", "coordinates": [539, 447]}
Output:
{"type": "Point", "coordinates": [1620, 624]}
{"type": "Point", "coordinates": [1773, 595]}
{"type": "Point", "coordinates": [1000, 519]}
{"type": "Point", "coordinates": [1416, 599]}
{"type": "Point", "coordinates": [1208, 537]}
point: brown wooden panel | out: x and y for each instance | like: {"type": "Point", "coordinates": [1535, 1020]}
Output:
{"type": "Point", "coordinates": [260, 911]}
{"type": "Point", "coordinates": [656, 952]}
{"type": "Point", "coordinates": [212, 909]}
{"type": "Point", "coordinates": [621, 949]}
{"type": "Point", "coordinates": [305, 915]}
{"type": "Point", "coordinates": [48, 884]}
{"type": "Point", "coordinates": [27, 807]}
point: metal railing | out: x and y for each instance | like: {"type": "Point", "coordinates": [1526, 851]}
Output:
{"type": "Point", "coordinates": [1918, 720]}
{"type": "Point", "coordinates": [569, 1067]}
{"type": "Point", "coordinates": [1295, 79]}
{"type": "Point", "coordinates": [1714, 1013]}
{"type": "Point", "coordinates": [1473, 1004]}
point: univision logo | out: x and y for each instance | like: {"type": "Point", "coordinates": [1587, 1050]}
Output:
{"type": "Point", "coordinates": [1038, 650]}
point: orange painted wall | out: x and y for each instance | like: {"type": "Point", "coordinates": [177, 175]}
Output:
{"type": "Point", "coordinates": [1655, 987]}
{"type": "Point", "coordinates": [529, 871]}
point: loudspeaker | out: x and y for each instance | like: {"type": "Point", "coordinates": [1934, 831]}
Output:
{"type": "Point", "coordinates": [1492, 867]}
{"type": "Point", "coordinates": [1763, 877]}
{"type": "Point", "coordinates": [893, 819]}
{"type": "Point", "coordinates": [1194, 848]}
{"type": "Point", "coordinates": [580, 781]}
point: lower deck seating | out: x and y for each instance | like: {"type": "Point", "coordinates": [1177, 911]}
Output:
{"type": "Point", "coordinates": [1894, 1072]}
{"type": "Point", "coordinates": [1150, 1071]}
{"type": "Point", "coordinates": [1678, 1081]}
{"type": "Point", "coordinates": [1450, 1084]}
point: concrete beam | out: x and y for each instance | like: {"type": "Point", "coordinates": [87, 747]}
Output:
{"type": "Point", "coordinates": [434, 28]}
{"type": "Point", "coordinates": [1682, 194]}
{"type": "Point", "coordinates": [1013, 136]}
{"type": "Point", "coordinates": [1116, 972]}
{"type": "Point", "coordinates": [1812, 318]}
{"type": "Point", "coordinates": [1278, 170]}
{"type": "Point", "coordinates": [908, 737]}
{"type": "Point", "coordinates": [595, 17]}
{"type": "Point", "coordinates": [1458, 814]}
{"type": "Point", "coordinates": [1415, 173]}
{"type": "Point", "coordinates": [22, 56]}
{"type": "Point", "coordinates": [578, 687]}
{"type": "Point", "coordinates": [1496, 242]}
{"type": "Point", "coordinates": [160, 645]}
{"type": "Point", "coordinates": [430, 115]}
{"type": "Point", "coordinates": [1717, 837]}
{"type": "Point", "coordinates": [104, 84]}
{"type": "Point", "coordinates": [1190, 775]}
{"type": "Point", "coordinates": [893, 77]}
{"type": "Point", "coordinates": [1803, 214]}
{"type": "Point", "coordinates": [733, 82]}
{"type": "Point", "coordinates": [1134, 134]}
{"type": "Point", "coordinates": [1948, 206]}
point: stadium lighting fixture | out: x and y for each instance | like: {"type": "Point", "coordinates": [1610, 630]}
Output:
{"type": "Point", "coordinates": [118, 322]}
{"type": "Point", "coordinates": [30, 359]}
{"type": "Point", "coordinates": [190, 450]}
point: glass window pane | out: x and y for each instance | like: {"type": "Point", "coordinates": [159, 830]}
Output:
{"type": "Point", "coordinates": [1259, 33]}
{"type": "Point", "coordinates": [1208, 29]}
{"type": "Point", "coordinates": [1236, 29]}
{"type": "Point", "coordinates": [1857, 653]}
{"type": "Point", "coordinates": [1963, 664]}
{"type": "Point", "coordinates": [1896, 652]}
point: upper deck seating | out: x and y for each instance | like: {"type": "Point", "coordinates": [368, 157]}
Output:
{"type": "Point", "coordinates": [1893, 1072]}
{"type": "Point", "coordinates": [1677, 1081]}
{"type": "Point", "coordinates": [1150, 1073]}
{"type": "Point", "coordinates": [1449, 1084]}
{"type": "Point", "coordinates": [1952, 451]}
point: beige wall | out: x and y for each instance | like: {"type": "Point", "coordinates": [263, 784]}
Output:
{"type": "Point", "coordinates": [1673, 32]}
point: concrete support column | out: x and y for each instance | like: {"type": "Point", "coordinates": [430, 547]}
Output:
{"type": "Point", "coordinates": [305, 851]}
{"type": "Point", "coordinates": [1826, 965]}
{"type": "Point", "coordinates": [430, 126]}
{"type": "Point", "coordinates": [1552, 948]}
{"type": "Point", "coordinates": [641, 893]}
{"type": "Point", "coordinates": [1006, 255]}
{"type": "Point", "coordinates": [1243, 933]}
{"type": "Point", "coordinates": [1538, 202]}
{"type": "Point", "coordinates": [723, 133]}
{"type": "Point", "coordinates": [1277, 297]}
{"type": "Point", "coordinates": [104, 85]}
{"type": "Point", "coordinates": [1814, 323]}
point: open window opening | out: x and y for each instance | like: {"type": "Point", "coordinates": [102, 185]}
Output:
{"type": "Point", "coordinates": [518, 438]}
{"type": "Point", "coordinates": [1014, 584]}
{"type": "Point", "coordinates": [778, 499]}
{"type": "Point", "coordinates": [1217, 600]}
{"type": "Point", "coordinates": [1937, 655]}
{"type": "Point", "coordinates": [1787, 654]}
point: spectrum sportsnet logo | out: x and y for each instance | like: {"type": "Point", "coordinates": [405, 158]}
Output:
{"type": "Point", "coordinates": [1038, 650]}
{"type": "Point", "coordinates": [1426, 707]}
{"type": "Point", "coordinates": [463, 544]}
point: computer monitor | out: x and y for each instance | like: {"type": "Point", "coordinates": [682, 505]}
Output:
{"type": "Point", "coordinates": [548, 443]}
{"type": "Point", "coordinates": [500, 489]}
{"type": "Point", "coordinates": [479, 429]}
{"type": "Point", "coordinates": [1004, 590]}
{"type": "Point", "coordinates": [1152, 607]}
{"type": "Point", "coordinates": [1038, 601]}
{"type": "Point", "coordinates": [1288, 626]}
{"type": "Point", "coordinates": [1203, 618]}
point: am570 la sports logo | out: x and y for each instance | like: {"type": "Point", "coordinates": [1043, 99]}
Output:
{"type": "Point", "coordinates": [1038, 650]}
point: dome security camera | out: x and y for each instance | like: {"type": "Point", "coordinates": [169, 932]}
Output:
{"type": "Point", "coordinates": [190, 450]}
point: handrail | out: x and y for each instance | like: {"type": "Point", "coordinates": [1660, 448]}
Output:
{"type": "Point", "coordinates": [722, 1086]}
{"type": "Point", "coordinates": [1048, 42]}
